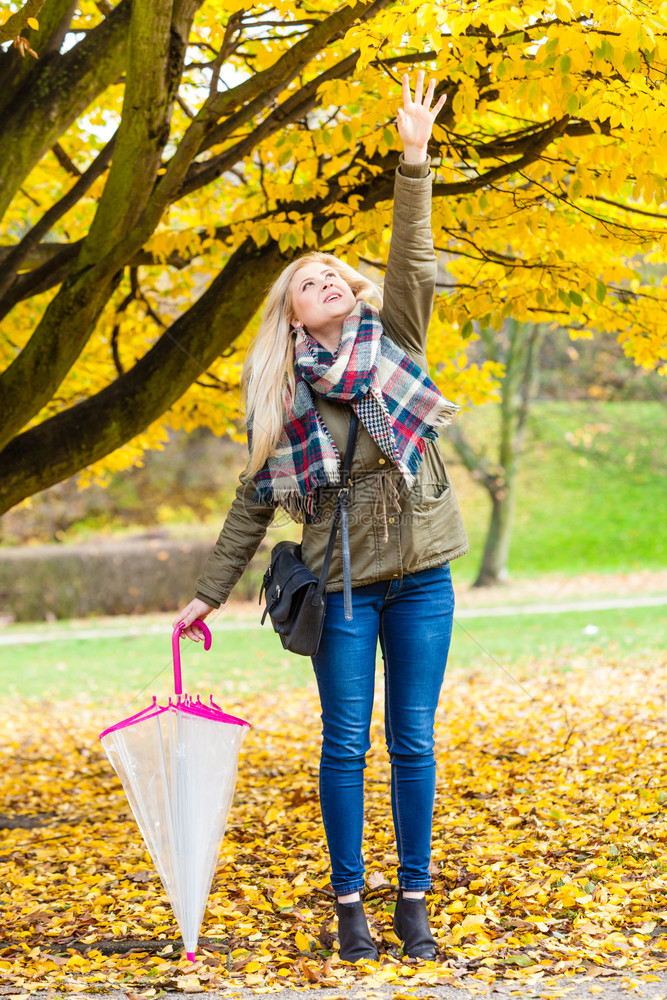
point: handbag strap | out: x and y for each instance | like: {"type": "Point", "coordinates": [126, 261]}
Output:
{"type": "Point", "coordinates": [340, 514]}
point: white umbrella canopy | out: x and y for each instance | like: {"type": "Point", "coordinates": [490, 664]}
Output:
{"type": "Point", "coordinates": [178, 765]}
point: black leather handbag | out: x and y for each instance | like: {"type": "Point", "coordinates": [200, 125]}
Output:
{"type": "Point", "coordinates": [296, 600]}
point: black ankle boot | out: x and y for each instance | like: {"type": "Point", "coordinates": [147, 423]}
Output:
{"type": "Point", "coordinates": [353, 935]}
{"type": "Point", "coordinates": [411, 926]}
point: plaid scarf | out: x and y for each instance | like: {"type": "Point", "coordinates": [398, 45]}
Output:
{"type": "Point", "coordinates": [395, 400]}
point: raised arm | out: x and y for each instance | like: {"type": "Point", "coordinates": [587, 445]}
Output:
{"type": "Point", "coordinates": [412, 265]}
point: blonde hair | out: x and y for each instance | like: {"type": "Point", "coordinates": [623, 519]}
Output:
{"type": "Point", "coordinates": [267, 379]}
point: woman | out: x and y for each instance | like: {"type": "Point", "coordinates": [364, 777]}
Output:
{"type": "Point", "coordinates": [323, 350]}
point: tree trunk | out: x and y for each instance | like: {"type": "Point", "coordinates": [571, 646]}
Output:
{"type": "Point", "coordinates": [493, 569]}
{"type": "Point", "coordinates": [518, 354]}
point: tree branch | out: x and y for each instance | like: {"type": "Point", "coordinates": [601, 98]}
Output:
{"type": "Point", "coordinates": [382, 192]}
{"type": "Point", "coordinates": [57, 37]}
{"type": "Point", "coordinates": [527, 379]}
{"type": "Point", "coordinates": [87, 432]}
{"type": "Point", "coordinates": [168, 185]}
{"type": "Point", "coordinates": [16, 75]}
{"type": "Point", "coordinates": [131, 296]}
{"type": "Point", "coordinates": [289, 111]}
{"type": "Point", "coordinates": [534, 149]}
{"type": "Point", "coordinates": [229, 43]}
{"type": "Point", "coordinates": [156, 54]}
{"type": "Point", "coordinates": [260, 90]}
{"type": "Point", "coordinates": [625, 208]}
{"type": "Point", "coordinates": [11, 262]}
{"type": "Point", "coordinates": [62, 88]}
{"type": "Point", "coordinates": [53, 270]}
{"type": "Point", "coordinates": [17, 22]}
{"type": "Point", "coordinates": [72, 314]}
{"type": "Point", "coordinates": [65, 161]}
{"type": "Point", "coordinates": [370, 188]}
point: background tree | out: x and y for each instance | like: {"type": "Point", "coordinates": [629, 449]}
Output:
{"type": "Point", "coordinates": [517, 350]}
{"type": "Point", "coordinates": [161, 160]}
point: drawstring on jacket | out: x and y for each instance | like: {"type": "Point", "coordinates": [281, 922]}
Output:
{"type": "Point", "coordinates": [385, 490]}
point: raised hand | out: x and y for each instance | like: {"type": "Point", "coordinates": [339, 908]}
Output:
{"type": "Point", "coordinates": [415, 120]}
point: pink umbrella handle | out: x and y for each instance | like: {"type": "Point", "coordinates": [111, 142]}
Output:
{"type": "Point", "coordinates": [176, 650]}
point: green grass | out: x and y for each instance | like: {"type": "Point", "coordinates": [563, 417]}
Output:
{"type": "Point", "coordinates": [591, 489]}
{"type": "Point", "coordinates": [238, 663]}
{"type": "Point", "coordinates": [129, 670]}
{"type": "Point", "coordinates": [622, 633]}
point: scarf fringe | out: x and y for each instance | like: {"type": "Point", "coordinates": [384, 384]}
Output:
{"type": "Point", "coordinates": [447, 414]}
{"type": "Point", "coordinates": [301, 507]}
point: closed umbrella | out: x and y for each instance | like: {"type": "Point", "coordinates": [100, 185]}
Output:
{"type": "Point", "coordinates": [178, 764]}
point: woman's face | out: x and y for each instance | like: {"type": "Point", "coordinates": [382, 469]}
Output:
{"type": "Point", "coordinates": [321, 299]}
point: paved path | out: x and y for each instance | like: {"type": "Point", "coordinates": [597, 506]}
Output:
{"type": "Point", "coordinates": [577, 988]}
{"type": "Point", "coordinates": [595, 604]}
{"type": "Point", "coordinates": [12, 638]}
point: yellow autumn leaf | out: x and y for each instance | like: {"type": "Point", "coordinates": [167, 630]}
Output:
{"type": "Point", "coordinates": [610, 819]}
{"type": "Point", "coordinates": [497, 21]}
{"type": "Point", "coordinates": [302, 941]}
{"type": "Point", "coordinates": [529, 890]}
{"type": "Point", "coordinates": [472, 922]}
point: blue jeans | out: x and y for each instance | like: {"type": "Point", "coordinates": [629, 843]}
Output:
{"type": "Point", "coordinates": [412, 617]}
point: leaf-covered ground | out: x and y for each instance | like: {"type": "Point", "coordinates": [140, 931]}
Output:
{"type": "Point", "coordinates": [549, 845]}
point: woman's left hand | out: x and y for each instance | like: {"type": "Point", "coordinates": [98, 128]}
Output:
{"type": "Point", "coordinates": [415, 120]}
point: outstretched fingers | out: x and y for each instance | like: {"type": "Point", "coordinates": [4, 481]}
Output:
{"type": "Point", "coordinates": [442, 100]}
{"type": "Point", "coordinates": [407, 96]}
{"type": "Point", "coordinates": [415, 119]}
{"type": "Point", "coordinates": [429, 94]}
{"type": "Point", "coordinates": [419, 87]}
{"type": "Point", "coordinates": [421, 100]}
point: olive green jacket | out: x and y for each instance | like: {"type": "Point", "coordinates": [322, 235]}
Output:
{"type": "Point", "coordinates": [393, 530]}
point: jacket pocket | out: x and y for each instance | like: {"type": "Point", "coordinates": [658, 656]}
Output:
{"type": "Point", "coordinates": [430, 515]}
{"type": "Point", "coordinates": [427, 496]}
